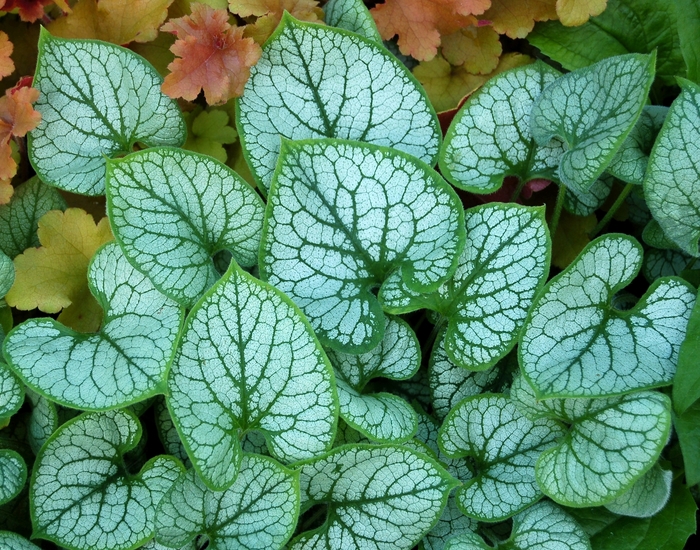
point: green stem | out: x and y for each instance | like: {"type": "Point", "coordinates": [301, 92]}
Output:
{"type": "Point", "coordinates": [614, 208]}
{"type": "Point", "coordinates": [519, 189]}
{"type": "Point", "coordinates": [427, 346]}
{"type": "Point", "coordinates": [554, 222]}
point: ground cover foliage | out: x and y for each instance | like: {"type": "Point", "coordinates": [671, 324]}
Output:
{"type": "Point", "coordinates": [308, 275]}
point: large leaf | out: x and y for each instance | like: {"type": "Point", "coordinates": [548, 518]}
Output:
{"type": "Point", "coordinates": [300, 90]}
{"type": "Point", "coordinates": [646, 497]}
{"type": "Point", "coordinates": [576, 343]}
{"type": "Point", "coordinates": [125, 362]}
{"type": "Point", "coordinates": [341, 218]}
{"type": "Point", "coordinates": [687, 426]}
{"type": "Point", "coordinates": [490, 137]}
{"type": "Point", "coordinates": [504, 446]}
{"type": "Point", "coordinates": [248, 360]}
{"type": "Point", "coordinates": [13, 474]}
{"type": "Point", "coordinates": [672, 183]}
{"type": "Point", "coordinates": [686, 384]}
{"type": "Point", "coordinates": [97, 100]}
{"type": "Point", "coordinates": [593, 110]}
{"type": "Point", "coordinates": [377, 497]}
{"type": "Point", "coordinates": [688, 29]}
{"type": "Point", "coordinates": [172, 210]}
{"type": "Point", "coordinates": [258, 512]}
{"type": "Point", "coordinates": [352, 15]}
{"type": "Point", "coordinates": [83, 497]}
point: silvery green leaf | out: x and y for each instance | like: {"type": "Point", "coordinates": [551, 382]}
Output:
{"type": "Point", "coordinates": [452, 523]}
{"type": "Point", "coordinates": [630, 162]}
{"type": "Point", "coordinates": [248, 360]}
{"type": "Point", "coordinates": [593, 110]}
{"type": "Point", "coordinates": [504, 446]}
{"type": "Point", "coordinates": [11, 392]}
{"type": "Point", "coordinates": [7, 274]}
{"type": "Point", "coordinates": [382, 417]}
{"type": "Point", "coordinates": [584, 204]}
{"type": "Point", "coordinates": [654, 235]}
{"type": "Point", "coordinates": [167, 432]}
{"type": "Point", "coordinates": [259, 511]}
{"type": "Point", "coordinates": [646, 497]}
{"type": "Point", "coordinates": [376, 496]}
{"type": "Point", "coordinates": [666, 263]}
{"type": "Point", "coordinates": [490, 137]}
{"type": "Point", "coordinates": [20, 218]}
{"type": "Point", "coordinates": [577, 344]}
{"type": "Point", "coordinates": [341, 217]}
{"type": "Point", "coordinates": [315, 81]}
{"type": "Point", "coordinates": [13, 474]}
{"type": "Point", "coordinates": [352, 15]}
{"type": "Point", "coordinates": [153, 545]}
{"type": "Point", "coordinates": [125, 362]}
{"type": "Point", "coordinates": [81, 494]}
{"type": "Point", "coordinates": [42, 422]}
{"type": "Point", "coordinates": [503, 265]}
{"type": "Point", "coordinates": [543, 526]}
{"type": "Point", "coordinates": [171, 210]}
{"type": "Point", "coordinates": [96, 101]}
{"type": "Point", "coordinates": [13, 541]}
{"type": "Point", "coordinates": [672, 180]}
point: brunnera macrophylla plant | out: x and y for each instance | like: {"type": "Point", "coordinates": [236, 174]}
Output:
{"type": "Point", "coordinates": [279, 334]}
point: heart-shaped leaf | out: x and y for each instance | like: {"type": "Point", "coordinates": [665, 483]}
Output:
{"type": "Point", "coordinates": [504, 446]}
{"type": "Point", "coordinates": [342, 216]}
{"type": "Point", "coordinates": [126, 362]}
{"type": "Point", "coordinates": [248, 360]}
{"type": "Point", "coordinates": [593, 110]}
{"type": "Point", "coordinates": [13, 474]}
{"type": "Point", "coordinates": [82, 496]}
{"type": "Point", "coordinates": [377, 497]}
{"type": "Point", "coordinates": [96, 101]}
{"type": "Point", "coordinates": [646, 497]}
{"type": "Point", "coordinates": [258, 512]}
{"type": "Point", "coordinates": [542, 526]}
{"type": "Point", "coordinates": [314, 81]}
{"type": "Point", "coordinates": [577, 344]}
{"type": "Point", "coordinates": [11, 392]}
{"type": "Point", "coordinates": [490, 137]}
{"type": "Point", "coordinates": [671, 185]}
{"type": "Point", "coordinates": [172, 210]}
{"type": "Point", "coordinates": [503, 265]}
{"type": "Point", "coordinates": [352, 15]}
{"type": "Point", "coordinates": [13, 541]}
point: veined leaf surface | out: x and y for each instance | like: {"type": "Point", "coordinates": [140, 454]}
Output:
{"type": "Point", "coordinates": [352, 15]}
{"type": "Point", "coordinates": [577, 344]}
{"type": "Point", "coordinates": [7, 274]}
{"type": "Point", "coordinates": [377, 497]}
{"type": "Point", "coordinates": [342, 216]}
{"type": "Point", "coordinates": [646, 497]}
{"type": "Point", "coordinates": [248, 360]}
{"type": "Point", "coordinates": [96, 101]}
{"type": "Point", "coordinates": [83, 497]}
{"type": "Point", "coordinates": [490, 137]}
{"type": "Point", "coordinates": [593, 110]}
{"type": "Point", "coordinates": [314, 81]}
{"type": "Point", "coordinates": [42, 422]}
{"type": "Point", "coordinates": [258, 512]}
{"type": "Point", "coordinates": [13, 541]}
{"type": "Point", "coordinates": [172, 210]}
{"type": "Point", "coordinates": [586, 203]}
{"type": "Point", "coordinates": [125, 362]}
{"type": "Point", "coordinates": [11, 392]}
{"type": "Point", "coordinates": [13, 474]}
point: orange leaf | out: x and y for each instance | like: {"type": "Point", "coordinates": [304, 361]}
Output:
{"type": "Point", "coordinates": [269, 14]}
{"type": "Point", "coordinates": [17, 117]}
{"type": "Point", "coordinates": [214, 56]}
{"type": "Point", "coordinates": [6, 64]}
{"type": "Point", "coordinates": [421, 23]}
{"type": "Point", "coordinates": [477, 48]}
{"type": "Point", "coordinates": [114, 21]}
{"type": "Point", "coordinates": [29, 10]}
{"type": "Point", "coordinates": [576, 12]}
{"type": "Point", "coordinates": [516, 18]}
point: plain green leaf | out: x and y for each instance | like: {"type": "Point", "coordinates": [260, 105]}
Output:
{"type": "Point", "coordinates": [686, 383]}
{"type": "Point", "coordinates": [688, 32]}
{"type": "Point", "coordinates": [258, 512]}
{"type": "Point", "coordinates": [96, 101]}
{"type": "Point", "coordinates": [315, 81]}
{"type": "Point", "coordinates": [646, 497]}
{"type": "Point", "coordinates": [490, 136]}
{"type": "Point", "coordinates": [576, 343]}
{"type": "Point", "coordinates": [592, 110]}
{"type": "Point", "coordinates": [341, 218]}
{"type": "Point", "coordinates": [13, 474]}
{"type": "Point", "coordinates": [125, 362]}
{"type": "Point", "coordinates": [248, 360]}
{"type": "Point", "coordinates": [352, 15]}
{"type": "Point", "coordinates": [172, 210]}
{"type": "Point", "coordinates": [687, 427]}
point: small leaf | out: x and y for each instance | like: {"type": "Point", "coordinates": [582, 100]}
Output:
{"type": "Point", "coordinates": [516, 18]}
{"type": "Point", "coordinates": [577, 344]}
{"type": "Point", "coordinates": [42, 422]}
{"type": "Point", "coordinates": [208, 131]}
{"type": "Point", "coordinates": [666, 263]}
{"type": "Point", "coordinates": [352, 15]}
{"type": "Point", "coordinates": [593, 110]}
{"type": "Point", "coordinates": [125, 362]}
{"type": "Point", "coordinates": [13, 473]}
{"type": "Point", "coordinates": [269, 14]}
{"type": "Point", "coordinates": [7, 66]}
{"type": "Point", "coordinates": [646, 497]}
{"type": "Point", "coordinates": [342, 217]}
{"type": "Point", "coordinates": [248, 360]}
{"type": "Point", "coordinates": [671, 183]}
{"type": "Point", "coordinates": [81, 494]}
{"type": "Point", "coordinates": [504, 446]}
{"type": "Point", "coordinates": [286, 97]}
{"type": "Point", "coordinates": [189, 207]}
{"type": "Point", "coordinates": [13, 541]}
{"type": "Point", "coordinates": [167, 432]}
{"type": "Point", "coordinates": [452, 523]}
{"type": "Point", "coordinates": [585, 204]}
{"type": "Point", "coordinates": [490, 137]}
{"type": "Point", "coordinates": [377, 497]}
{"type": "Point", "coordinates": [259, 511]}
{"type": "Point", "coordinates": [17, 117]}
{"type": "Point", "coordinates": [478, 48]}
{"type": "Point", "coordinates": [686, 384]}
{"type": "Point", "coordinates": [576, 12]}
{"type": "Point", "coordinates": [7, 274]}
{"type": "Point", "coordinates": [11, 392]}
{"type": "Point", "coordinates": [80, 126]}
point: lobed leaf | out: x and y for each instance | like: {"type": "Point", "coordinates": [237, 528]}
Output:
{"type": "Point", "coordinates": [352, 15]}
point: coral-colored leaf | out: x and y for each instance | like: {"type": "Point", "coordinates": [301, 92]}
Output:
{"type": "Point", "coordinates": [421, 23]}
{"type": "Point", "coordinates": [6, 64]}
{"type": "Point", "coordinates": [6, 189]}
{"type": "Point", "coordinates": [113, 21]}
{"type": "Point", "coordinates": [213, 56]}
{"type": "Point", "coordinates": [269, 14]}
{"type": "Point", "coordinates": [29, 10]}
{"type": "Point", "coordinates": [476, 47]}
{"type": "Point", "coordinates": [516, 18]}
{"type": "Point", "coordinates": [576, 12]}
{"type": "Point", "coordinates": [54, 276]}
{"type": "Point", "coordinates": [17, 117]}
